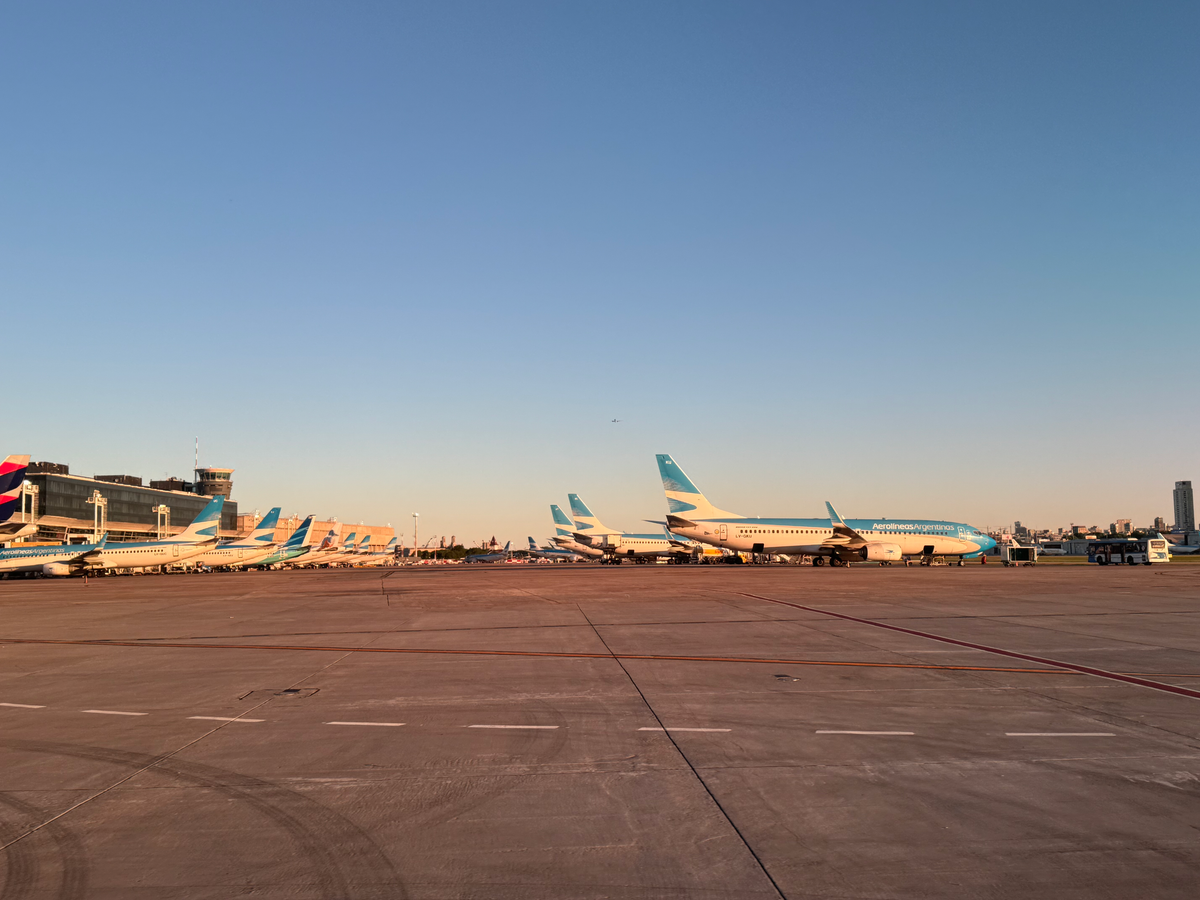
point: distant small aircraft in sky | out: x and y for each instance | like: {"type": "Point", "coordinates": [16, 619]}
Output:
{"type": "Point", "coordinates": [616, 420]}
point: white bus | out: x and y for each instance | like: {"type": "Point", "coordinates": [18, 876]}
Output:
{"type": "Point", "coordinates": [1130, 552]}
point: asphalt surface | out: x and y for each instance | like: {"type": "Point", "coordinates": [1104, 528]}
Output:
{"type": "Point", "coordinates": [595, 732]}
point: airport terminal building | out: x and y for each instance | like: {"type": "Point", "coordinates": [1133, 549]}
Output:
{"type": "Point", "coordinates": [68, 507]}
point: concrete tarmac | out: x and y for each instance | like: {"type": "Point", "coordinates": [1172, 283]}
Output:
{"type": "Point", "coordinates": [603, 732]}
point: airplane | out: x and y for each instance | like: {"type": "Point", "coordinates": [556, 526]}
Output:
{"type": "Point", "coordinates": [1178, 549]}
{"type": "Point", "coordinates": [1053, 549]}
{"type": "Point", "coordinates": [878, 540]}
{"type": "Point", "coordinates": [551, 553]}
{"type": "Point", "coordinates": [236, 554]}
{"type": "Point", "coordinates": [12, 476]}
{"type": "Point", "coordinates": [293, 547]}
{"type": "Point", "coordinates": [618, 545]}
{"type": "Point", "coordinates": [313, 554]}
{"type": "Point", "coordinates": [564, 535]}
{"type": "Point", "coordinates": [354, 553]}
{"type": "Point", "coordinates": [53, 559]}
{"type": "Point", "coordinates": [387, 553]}
{"type": "Point", "coordinates": [332, 555]}
{"type": "Point", "coordinates": [490, 557]}
{"type": "Point", "coordinates": [197, 538]}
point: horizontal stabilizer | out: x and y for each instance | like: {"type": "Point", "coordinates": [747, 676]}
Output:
{"type": "Point", "coordinates": [674, 522]}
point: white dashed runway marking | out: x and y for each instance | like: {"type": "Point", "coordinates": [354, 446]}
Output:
{"type": "Point", "coordinates": [114, 712]}
{"type": "Point", "coordinates": [22, 705]}
{"type": "Point", "coordinates": [225, 719]}
{"type": "Point", "coordinates": [531, 727]}
{"type": "Point", "coordinates": [901, 733]}
{"type": "Point", "coordinates": [375, 724]}
{"type": "Point", "coordinates": [687, 729]}
{"type": "Point", "coordinates": [1059, 734]}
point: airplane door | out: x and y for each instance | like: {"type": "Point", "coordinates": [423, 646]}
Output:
{"type": "Point", "coordinates": [724, 532]}
{"type": "Point", "coordinates": [175, 550]}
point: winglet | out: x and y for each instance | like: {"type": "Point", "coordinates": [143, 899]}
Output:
{"type": "Point", "coordinates": [843, 534]}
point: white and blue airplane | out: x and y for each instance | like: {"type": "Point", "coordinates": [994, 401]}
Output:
{"type": "Point", "coordinates": [617, 545]}
{"type": "Point", "coordinates": [878, 540]}
{"type": "Point", "coordinates": [383, 556]}
{"type": "Point", "coordinates": [332, 554]}
{"type": "Point", "coordinates": [564, 535]}
{"type": "Point", "coordinates": [237, 554]}
{"type": "Point", "coordinates": [1177, 549]}
{"type": "Point", "coordinates": [312, 555]}
{"type": "Point", "coordinates": [292, 548]}
{"type": "Point", "coordinates": [78, 559]}
{"type": "Point", "coordinates": [499, 556]}
{"type": "Point", "coordinates": [52, 559]}
{"type": "Point", "coordinates": [194, 540]}
{"type": "Point", "coordinates": [355, 554]}
{"type": "Point", "coordinates": [551, 553]}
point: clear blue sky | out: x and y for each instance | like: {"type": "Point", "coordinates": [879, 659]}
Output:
{"type": "Point", "coordinates": [928, 259]}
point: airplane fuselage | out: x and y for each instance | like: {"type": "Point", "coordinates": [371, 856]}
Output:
{"type": "Point", "coordinates": [32, 559]}
{"type": "Point", "coordinates": [233, 556]}
{"type": "Point", "coordinates": [138, 555]}
{"type": "Point", "coordinates": [633, 545]}
{"type": "Point", "coordinates": [914, 537]}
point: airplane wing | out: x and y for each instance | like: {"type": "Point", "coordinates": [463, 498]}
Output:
{"type": "Point", "coordinates": [86, 558]}
{"type": "Point", "coordinates": [843, 534]}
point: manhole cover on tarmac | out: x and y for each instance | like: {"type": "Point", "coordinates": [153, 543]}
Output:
{"type": "Point", "coordinates": [278, 692]}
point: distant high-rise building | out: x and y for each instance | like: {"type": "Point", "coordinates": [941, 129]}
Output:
{"type": "Point", "coordinates": [1123, 526]}
{"type": "Point", "coordinates": [1185, 508]}
{"type": "Point", "coordinates": [1160, 524]}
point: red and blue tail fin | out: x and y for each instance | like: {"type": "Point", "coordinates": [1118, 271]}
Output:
{"type": "Point", "coordinates": [12, 476]}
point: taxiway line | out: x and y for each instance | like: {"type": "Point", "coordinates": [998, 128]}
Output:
{"type": "Point", "coordinates": [1137, 680]}
{"type": "Point", "coordinates": [535, 653]}
{"type": "Point", "coordinates": [1062, 668]}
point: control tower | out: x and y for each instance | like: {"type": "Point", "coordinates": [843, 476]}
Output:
{"type": "Point", "coordinates": [213, 482]}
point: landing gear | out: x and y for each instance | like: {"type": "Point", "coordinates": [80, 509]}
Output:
{"type": "Point", "coordinates": [818, 560]}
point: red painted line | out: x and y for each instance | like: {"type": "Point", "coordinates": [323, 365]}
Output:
{"type": "Point", "coordinates": [536, 653]}
{"type": "Point", "coordinates": [1011, 654]}
{"type": "Point", "coordinates": [1060, 668]}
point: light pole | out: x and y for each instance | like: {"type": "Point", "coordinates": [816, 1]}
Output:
{"type": "Point", "coordinates": [162, 523]}
{"type": "Point", "coordinates": [416, 551]}
{"type": "Point", "coordinates": [99, 514]}
{"type": "Point", "coordinates": [30, 490]}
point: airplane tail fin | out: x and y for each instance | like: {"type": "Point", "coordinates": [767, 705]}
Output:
{"type": "Point", "coordinates": [585, 521]}
{"type": "Point", "coordinates": [299, 537]}
{"type": "Point", "coordinates": [508, 547]}
{"type": "Point", "coordinates": [204, 526]}
{"type": "Point", "coordinates": [532, 544]}
{"type": "Point", "coordinates": [12, 476]}
{"type": "Point", "coordinates": [365, 544]}
{"type": "Point", "coordinates": [391, 545]}
{"type": "Point", "coordinates": [684, 499]}
{"type": "Point", "coordinates": [328, 541]}
{"type": "Point", "coordinates": [264, 533]}
{"type": "Point", "coordinates": [563, 526]}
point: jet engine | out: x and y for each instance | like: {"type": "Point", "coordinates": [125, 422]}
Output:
{"type": "Point", "coordinates": [880, 552]}
{"type": "Point", "coordinates": [56, 569]}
